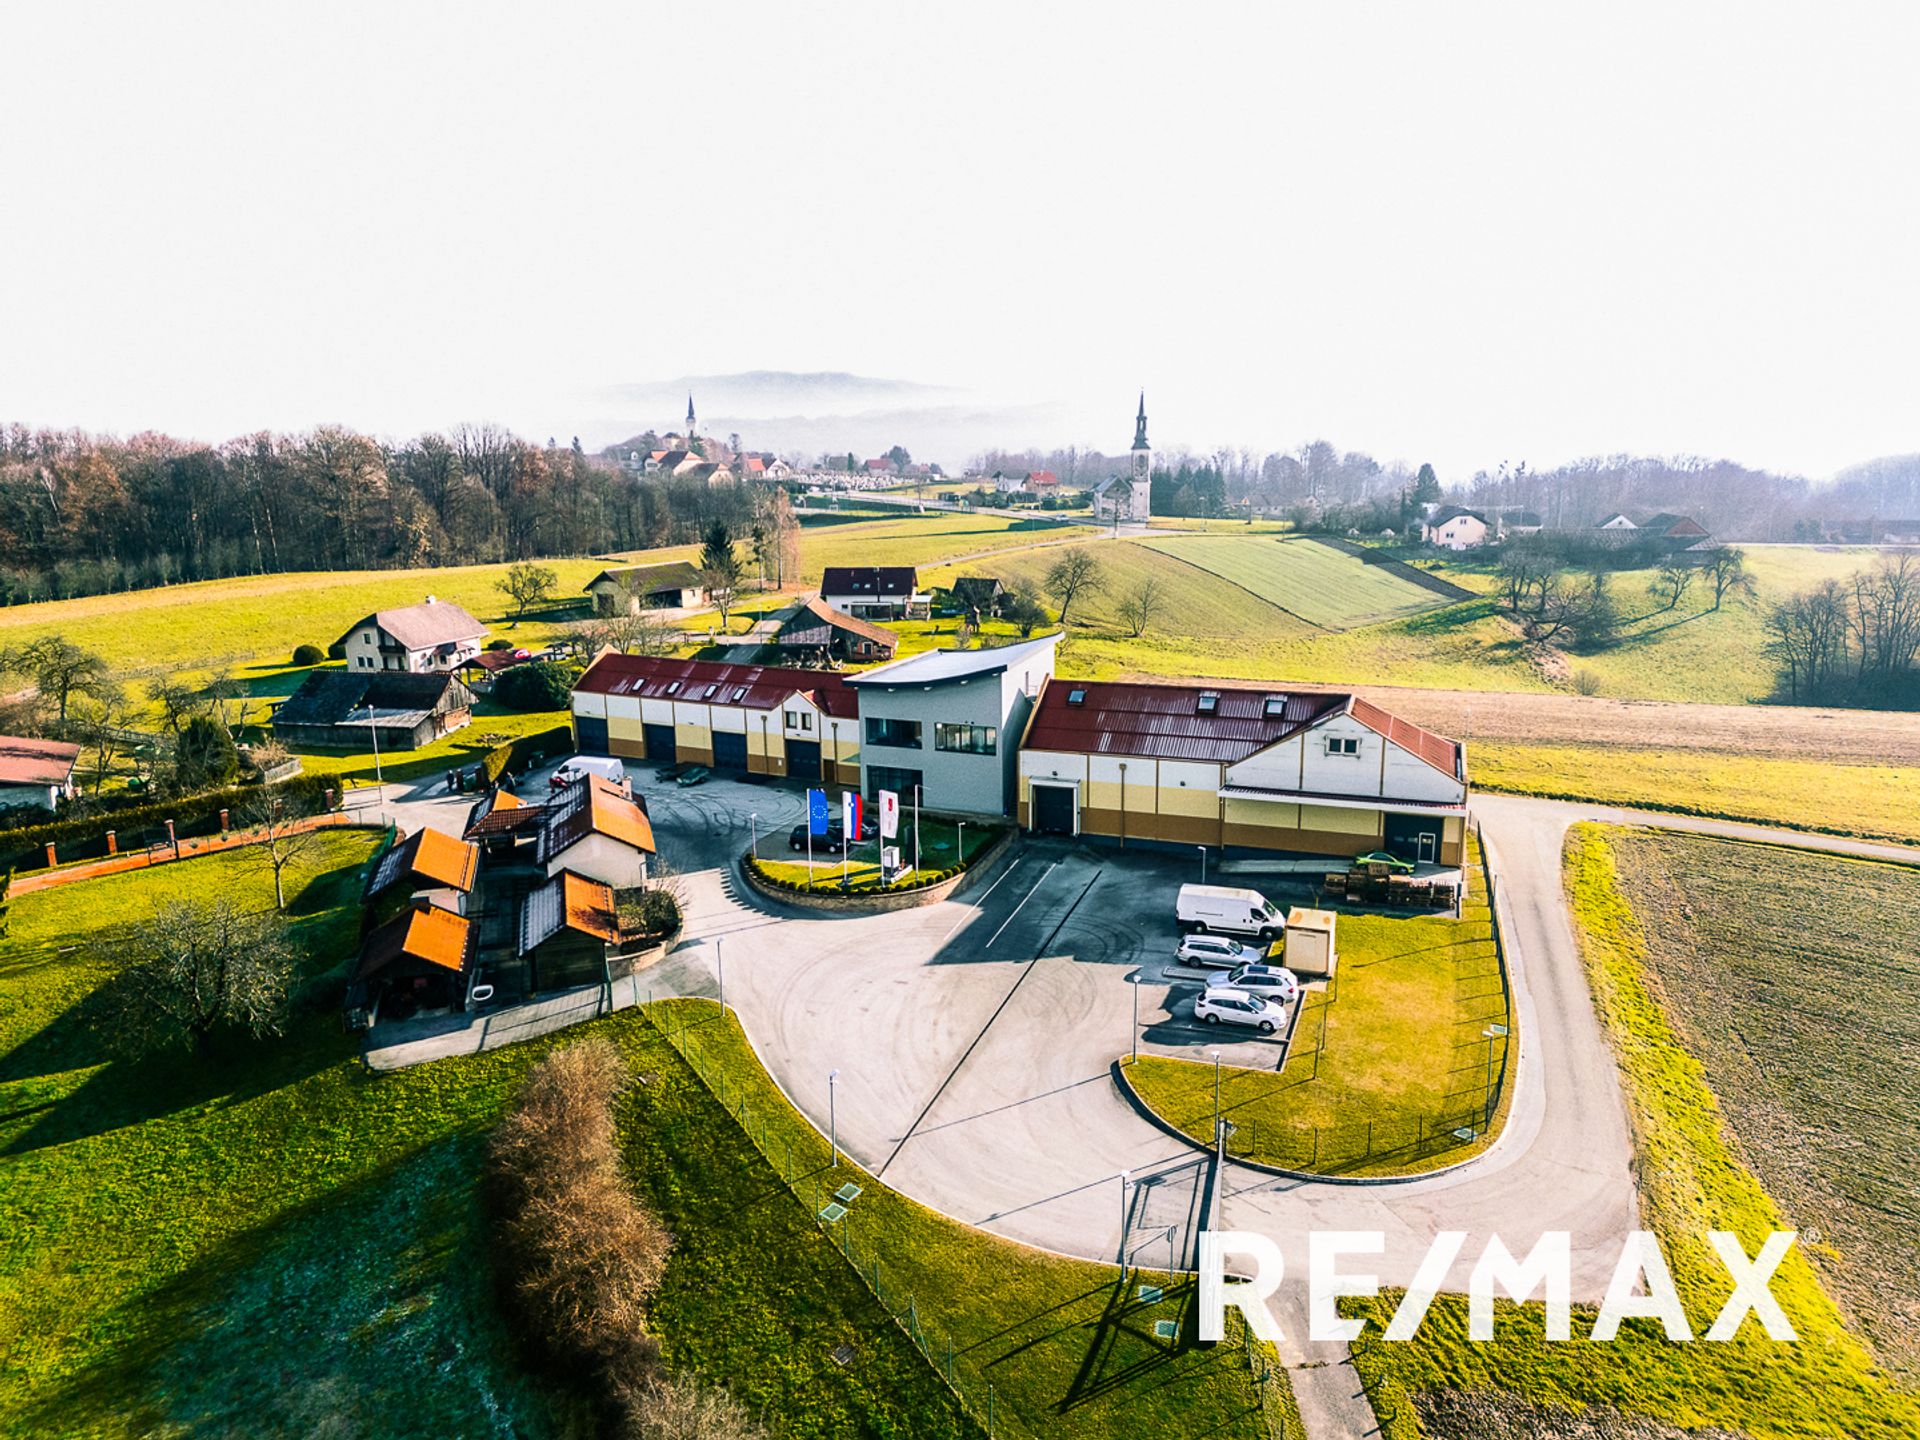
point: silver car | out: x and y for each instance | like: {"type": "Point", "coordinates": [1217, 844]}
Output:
{"type": "Point", "coordinates": [1237, 1007]}
{"type": "Point", "coordinates": [1272, 982]}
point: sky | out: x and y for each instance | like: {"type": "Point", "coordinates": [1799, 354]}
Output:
{"type": "Point", "coordinates": [1465, 233]}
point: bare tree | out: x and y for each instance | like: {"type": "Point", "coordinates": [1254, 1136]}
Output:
{"type": "Point", "coordinates": [59, 670]}
{"type": "Point", "coordinates": [527, 585]}
{"type": "Point", "coordinates": [1076, 573]}
{"type": "Point", "coordinates": [1673, 580]}
{"type": "Point", "coordinates": [199, 966]}
{"type": "Point", "coordinates": [1140, 606]}
{"type": "Point", "coordinates": [1727, 572]}
{"type": "Point", "coordinates": [721, 582]}
{"type": "Point", "coordinates": [281, 820]}
{"type": "Point", "coordinates": [102, 719]}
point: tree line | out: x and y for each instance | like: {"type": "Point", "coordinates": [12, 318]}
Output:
{"type": "Point", "coordinates": [88, 514]}
{"type": "Point", "coordinates": [1855, 641]}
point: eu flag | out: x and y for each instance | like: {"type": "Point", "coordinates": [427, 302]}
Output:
{"type": "Point", "coordinates": [817, 812]}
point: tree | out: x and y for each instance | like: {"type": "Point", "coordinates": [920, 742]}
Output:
{"type": "Point", "coordinates": [200, 966]}
{"type": "Point", "coordinates": [1673, 580]}
{"type": "Point", "coordinates": [1074, 574]}
{"type": "Point", "coordinates": [1140, 606]}
{"type": "Point", "coordinates": [1020, 606]}
{"type": "Point", "coordinates": [59, 670]}
{"type": "Point", "coordinates": [205, 754]}
{"type": "Point", "coordinates": [1728, 574]}
{"type": "Point", "coordinates": [281, 818]}
{"type": "Point", "coordinates": [103, 720]}
{"type": "Point", "coordinates": [633, 632]}
{"type": "Point", "coordinates": [900, 457]}
{"type": "Point", "coordinates": [6, 903]}
{"type": "Point", "coordinates": [537, 685]}
{"type": "Point", "coordinates": [786, 537]}
{"type": "Point", "coordinates": [526, 585]}
{"type": "Point", "coordinates": [719, 569]}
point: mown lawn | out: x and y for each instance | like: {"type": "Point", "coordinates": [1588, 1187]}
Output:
{"type": "Point", "coordinates": [938, 842]}
{"type": "Point", "coordinates": [1316, 582]}
{"type": "Point", "coordinates": [1385, 1064]}
{"type": "Point", "coordinates": [1694, 1178]}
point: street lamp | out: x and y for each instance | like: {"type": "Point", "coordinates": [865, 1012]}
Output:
{"type": "Point", "coordinates": [1216, 1085]}
{"type": "Point", "coordinates": [833, 1124]}
{"type": "Point", "coordinates": [379, 781]}
{"type": "Point", "coordinates": [1136, 1015]}
{"type": "Point", "coordinates": [1490, 1034]}
{"type": "Point", "coordinates": [720, 967]}
{"type": "Point", "coordinates": [1203, 863]}
{"type": "Point", "coordinates": [1125, 1177]}
{"type": "Point", "coordinates": [960, 843]}
{"type": "Point", "coordinates": [753, 821]}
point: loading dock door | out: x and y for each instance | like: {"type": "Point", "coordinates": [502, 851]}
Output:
{"type": "Point", "coordinates": [659, 740]}
{"type": "Point", "coordinates": [1414, 837]}
{"type": "Point", "coordinates": [590, 735]}
{"type": "Point", "coordinates": [1056, 810]}
{"type": "Point", "coordinates": [803, 759]}
{"type": "Point", "coordinates": [729, 751]}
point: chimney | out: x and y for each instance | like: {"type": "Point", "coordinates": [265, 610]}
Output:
{"type": "Point", "coordinates": [429, 599]}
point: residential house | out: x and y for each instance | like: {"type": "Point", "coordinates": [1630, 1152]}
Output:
{"type": "Point", "coordinates": [568, 932]}
{"type": "Point", "coordinates": [633, 588]}
{"type": "Point", "coordinates": [1517, 522]}
{"type": "Point", "coordinates": [949, 722]}
{"type": "Point", "coordinates": [762, 719]}
{"type": "Point", "coordinates": [1322, 773]}
{"type": "Point", "coordinates": [599, 830]}
{"type": "Point", "coordinates": [428, 867]}
{"type": "Point", "coordinates": [816, 627]}
{"type": "Point", "coordinates": [348, 710]}
{"type": "Point", "coordinates": [875, 592]}
{"type": "Point", "coordinates": [36, 774]}
{"type": "Point", "coordinates": [881, 466]}
{"type": "Point", "coordinates": [752, 467]}
{"type": "Point", "coordinates": [420, 960]}
{"type": "Point", "coordinates": [978, 595]}
{"type": "Point", "coordinates": [428, 638]}
{"type": "Point", "coordinates": [1665, 532]}
{"type": "Point", "coordinates": [499, 822]}
{"type": "Point", "coordinates": [1454, 528]}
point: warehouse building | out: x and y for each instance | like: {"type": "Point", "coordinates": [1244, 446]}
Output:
{"type": "Point", "coordinates": [1315, 772]}
{"type": "Point", "coordinates": [762, 719]}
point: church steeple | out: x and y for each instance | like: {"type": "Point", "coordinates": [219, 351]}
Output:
{"type": "Point", "coordinates": [689, 419]}
{"type": "Point", "coordinates": [1140, 425]}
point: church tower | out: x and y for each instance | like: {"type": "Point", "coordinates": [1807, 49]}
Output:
{"type": "Point", "coordinates": [1142, 477]}
{"type": "Point", "coordinates": [690, 429]}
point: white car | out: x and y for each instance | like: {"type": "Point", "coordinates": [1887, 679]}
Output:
{"type": "Point", "coordinates": [1237, 1007]}
{"type": "Point", "coordinates": [1218, 950]}
{"type": "Point", "coordinates": [1272, 982]}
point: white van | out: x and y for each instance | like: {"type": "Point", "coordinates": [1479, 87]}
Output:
{"type": "Point", "coordinates": [1227, 910]}
{"type": "Point", "coordinates": [572, 772]}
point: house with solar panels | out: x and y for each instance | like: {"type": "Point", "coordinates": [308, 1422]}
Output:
{"type": "Point", "coordinates": [1315, 772]}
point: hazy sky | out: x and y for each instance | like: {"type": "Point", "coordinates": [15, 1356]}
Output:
{"type": "Point", "coordinates": [1460, 232]}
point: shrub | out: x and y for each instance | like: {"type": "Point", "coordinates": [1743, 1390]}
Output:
{"type": "Point", "coordinates": [653, 911]}
{"type": "Point", "coordinates": [205, 753]}
{"type": "Point", "coordinates": [308, 655]}
{"type": "Point", "coordinates": [537, 685]}
{"type": "Point", "coordinates": [581, 1255]}
{"type": "Point", "coordinates": [1585, 682]}
{"type": "Point", "coordinates": [499, 643]}
{"type": "Point", "coordinates": [337, 650]}
{"type": "Point", "coordinates": [496, 762]}
{"type": "Point", "coordinates": [678, 1409]}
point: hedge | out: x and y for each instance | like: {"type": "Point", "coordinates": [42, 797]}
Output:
{"type": "Point", "coordinates": [84, 837]}
{"type": "Point", "coordinates": [918, 880]}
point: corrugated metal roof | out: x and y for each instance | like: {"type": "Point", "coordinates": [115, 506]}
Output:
{"type": "Point", "coordinates": [879, 581]}
{"type": "Point", "coordinates": [754, 687]}
{"type": "Point", "coordinates": [935, 666]}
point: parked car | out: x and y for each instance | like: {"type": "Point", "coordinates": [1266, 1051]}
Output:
{"type": "Point", "coordinates": [1271, 982]}
{"type": "Point", "coordinates": [1237, 1007]}
{"type": "Point", "coordinates": [1226, 909]}
{"type": "Point", "coordinates": [1382, 857]}
{"type": "Point", "coordinates": [671, 772]}
{"type": "Point", "coordinates": [797, 838]}
{"type": "Point", "coordinates": [572, 772]}
{"type": "Point", "coordinates": [1218, 950]}
{"type": "Point", "coordinates": [697, 775]}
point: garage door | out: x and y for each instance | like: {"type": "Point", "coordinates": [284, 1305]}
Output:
{"type": "Point", "coordinates": [659, 740]}
{"type": "Point", "coordinates": [803, 759]}
{"type": "Point", "coordinates": [1414, 837]}
{"type": "Point", "coordinates": [590, 735]}
{"type": "Point", "coordinates": [1053, 809]}
{"type": "Point", "coordinates": [729, 751]}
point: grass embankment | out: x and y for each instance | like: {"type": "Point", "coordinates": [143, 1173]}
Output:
{"type": "Point", "coordinates": [1385, 1064]}
{"type": "Point", "coordinates": [1068, 1348]}
{"type": "Point", "coordinates": [278, 1242]}
{"type": "Point", "coordinates": [1693, 1179]}
{"type": "Point", "coordinates": [1323, 586]}
{"type": "Point", "coordinates": [1875, 801]}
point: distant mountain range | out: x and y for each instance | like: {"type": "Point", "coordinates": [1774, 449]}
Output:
{"type": "Point", "coordinates": [826, 411]}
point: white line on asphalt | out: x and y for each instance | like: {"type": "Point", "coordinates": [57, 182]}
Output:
{"type": "Point", "coordinates": [972, 913]}
{"type": "Point", "coordinates": [1023, 903]}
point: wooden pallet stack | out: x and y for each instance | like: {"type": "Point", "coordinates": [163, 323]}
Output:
{"type": "Point", "coordinates": [1377, 884]}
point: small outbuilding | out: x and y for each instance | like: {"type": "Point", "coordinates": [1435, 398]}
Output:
{"type": "Point", "coordinates": [350, 710]}
{"type": "Point", "coordinates": [568, 927]}
{"type": "Point", "coordinates": [422, 959]}
{"type": "Point", "coordinates": [1310, 951]}
{"type": "Point", "coordinates": [36, 774]}
{"type": "Point", "coordinates": [427, 867]}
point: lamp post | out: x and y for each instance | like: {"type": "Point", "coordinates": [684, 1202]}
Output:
{"type": "Point", "coordinates": [379, 781]}
{"type": "Point", "coordinates": [1125, 1177]}
{"type": "Point", "coordinates": [1136, 1015]}
{"type": "Point", "coordinates": [916, 828]}
{"type": "Point", "coordinates": [720, 968]}
{"type": "Point", "coordinates": [1216, 1085]}
{"type": "Point", "coordinates": [960, 845]}
{"type": "Point", "coordinates": [833, 1123]}
{"type": "Point", "coordinates": [1490, 1034]}
{"type": "Point", "coordinates": [1203, 863]}
{"type": "Point", "coordinates": [753, 823]}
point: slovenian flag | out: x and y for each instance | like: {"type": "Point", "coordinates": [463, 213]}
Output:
{"type": "Point", "coordinates": [850, 814]}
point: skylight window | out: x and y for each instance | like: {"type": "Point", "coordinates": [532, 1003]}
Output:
{"type": "Point", "coordinates": [738, 691]}
{"type": "Point", "coordinates": [674, 688]}
{"type": "Point", "coordinates": [1276, 706]}
{"type": "Point", "coordinates": [1208, 703]}
{"type": "Point", "coordinates": [1076, 697]}
{"type": "Point", "coordinates": [709, 692]}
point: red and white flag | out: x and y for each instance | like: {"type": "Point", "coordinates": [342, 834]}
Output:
{"type": "Point", "coordinates": [851, 813]}
{"type": "Point", "coordinates": [889, 814]}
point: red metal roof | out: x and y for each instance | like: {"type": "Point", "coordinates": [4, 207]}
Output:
{"type": "Point", "coordinates": [1165, 722]}
{"type": "Point", "coordinates": [36, 762]}
{"type": "Point", "coordinates": [757, 687]}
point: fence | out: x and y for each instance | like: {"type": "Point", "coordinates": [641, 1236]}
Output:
{"type": "Point", "coordinates": [816, 1187]}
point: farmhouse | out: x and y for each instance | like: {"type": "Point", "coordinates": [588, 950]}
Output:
{"type": "Point", "coordinates": [431, 637]}
{"type": "Point", "coordinates": [762, 719]}
{"type": "Point", "coordinates": [1315, 772]}
{"type": "Point", "coordinates": [342, 710]}
{"type": "Point", "coordinates": [949, 723]}
{"type": "Point", "coordinates": [816, 627]}
{"type": "Point", "coordinates": [1452, 528]}
{"type": "Point", "coordinates": [1665, 531]}
{"type": "Point", "coordinates": [429, 867]}
{"type": "Point", "coordinates": [633, 588]}
{"type": "Point", "coordinates": [875, 592]}
{"type": "Point", "coordinates": [36, 774]}
{"type": "Point", "coordinates": [598, 830]}
{"type": "Point", "coordinates": [978, 594]}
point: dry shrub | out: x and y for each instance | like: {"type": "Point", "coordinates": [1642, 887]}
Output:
{"type": "Point", "coordinates": [680, 1410]}
{"type": "Point", "coordinates": [580, 1253]}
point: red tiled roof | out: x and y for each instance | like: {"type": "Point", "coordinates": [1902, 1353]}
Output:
{"type": "Point", "coordinates": [758, 687]}
{"type": "Point", "coordinates": [427, 857]}
{"type": "Point", "coordinates": [35, 762]}
{"type": "Point", "coordinates": [428, 935]}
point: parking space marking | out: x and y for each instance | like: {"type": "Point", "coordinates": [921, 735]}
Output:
{"type": "Point", "coordinates": [1028, 896]}
{"type": "Point", "coordinates": [1005, 1000]}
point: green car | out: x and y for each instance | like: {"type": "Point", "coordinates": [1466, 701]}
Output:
{"type": "Point", "coordinates": [1381, 857]}
{"type": "Point", "coordinates": [699, 773]}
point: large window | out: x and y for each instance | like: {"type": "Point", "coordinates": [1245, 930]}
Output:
{"type": "Point", "coordinates": [881, 731]}
{"type": "Point", "coordinates": [967, 739]}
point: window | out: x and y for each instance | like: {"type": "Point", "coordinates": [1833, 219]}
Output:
{"type": "Point", "coordinates": [799, 720]}
{"type": "Point", "coordinates": [738, 691]}
{"type": "Point", "coordinates": [674, 688]}
{"type": "Point", "coordinates": [1276, 706]}
{"type": "Point", "coordinates": [967, 739]}
{"type": "Point", "coordinates": [1076, 697]}
{"type": "Point", "coordinates": [881, 731]}
{"type": "Point", "coordinates": [709, 692]}
{"type": "Point", "coordinates": [1343, 745]}
{"type": "Point", "coordinates": [1208, 703]}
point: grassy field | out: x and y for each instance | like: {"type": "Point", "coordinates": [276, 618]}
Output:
{"type": "Point", "coordinates": [1384, 1066]}
{"type": "Point", "coordinates": [1321, 585]}
{"type": "Point", "coordinates": [1816, 957]}
{"type": "Point", "coordinates": [1694, 1177]}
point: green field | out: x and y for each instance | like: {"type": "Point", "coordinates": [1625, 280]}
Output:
{"type": "Point", "coordinates": [1386, 1062]}
{"type": "Point", "coordinates": [1694, 1177]}
{"type": "Point", "coordinates": [1317, 583]}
